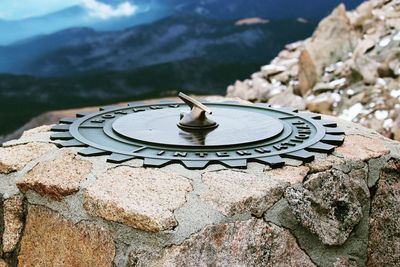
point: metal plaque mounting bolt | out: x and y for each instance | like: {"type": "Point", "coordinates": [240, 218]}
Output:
{"type": "Point", "coordinates": [196, 119]}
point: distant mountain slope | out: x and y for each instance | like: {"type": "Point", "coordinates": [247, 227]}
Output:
{"type": "Point", "coordinates": [175, 38]}
{"type": "Point", "coordinates": [152, 10]}
{"type": "Point", "coordinates": [23, 97]}
{"type": "Point", "coordinates": [76, 16]}
{"type": "Point", "coordinates": [271, 9]}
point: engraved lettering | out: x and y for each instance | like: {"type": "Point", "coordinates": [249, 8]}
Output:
{"type": "Point", "coordinates": [280, 147]}
{"type": "Point", "coordinates": [243, 152]}
{"type": "Point", "coordinates": [262, 150]}
{"type": "Point", "coordinates": [122, 112]}
{"type": "Point", "coordinates": [161, 152]}
{"type": "Point", "coordinates": [202, 154]}
{"type": "Point", "coordinates": [305, 127]}
{"type": "Point", "coordinates": [138, 109]}
{"type": "Point", "coordinates": [180, 154]}
{"type": "Point", "coordinates": [108, 116]}
{"type": "Point", "coordinates": [222, 154]}
{"type": "Point", "coordinates": [302, 136]}
{"type": "Point", "coordinates": [156, 107]}
{"type": "Point", "coordinates": [288, 144]}
{"type": "Point", "coordinates": [98, 121]}
{"type": "Point", "coordinates": [298, 123]}
{"type": "Point", "coordinates": [174, 106]}
{"type": "Point", "coordinates": [304, 132]}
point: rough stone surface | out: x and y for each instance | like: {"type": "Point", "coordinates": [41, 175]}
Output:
{"type": "Point", "coordinates": [308, 74]}
{"type": "Point", "coordinates": [39, 134]}
{"type": "Point", "coordinates": [288, 99]}
{"type": "Point", "coordinates": [323, 162]}
{"type": "Point", "coordinates": [51, 240]}
{"type": "Point", "coordinates": [331, 40]}
{"type": "Point", "coordinates": [354, 249]}
{"type": "Point", "coordinates": [345, 262]}
{"type": "Point", "coordinates": [288, 174]}
{"type": "Point", "coordinates": [330, 203]}
{"type": "Point", "coordinates": [56, 182]}
{"type": "Point", "coordinates": [384, 236]}
{"type": "Point", "coordinates": [13, 222]}
{"type": "Point", "coordinates": [323, 103]}
{"type": "Point", "coordinates": [141, 198]}
{"type": "Point", "coordinates": [14, 158]}
{"type": "Point", "coordinates": [361, 147]}
{"type": "Point", "coordinates": [246, 243]}
{"type": "Point", "coordinates": [3, 263]}
{"type": "Point", "coordinates": [234, 192]}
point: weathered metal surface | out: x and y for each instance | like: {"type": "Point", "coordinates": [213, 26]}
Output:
{"type": "Point", "coordinates": [234, 135]}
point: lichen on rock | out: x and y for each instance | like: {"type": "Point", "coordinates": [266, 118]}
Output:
{"type": "Point", "coordinates": [330, 203]}
{"type": "Point", "coordinates": [384, 233]}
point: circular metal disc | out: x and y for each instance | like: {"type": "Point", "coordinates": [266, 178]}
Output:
{"type": "Point", "coordinates": [236, 127]}
{"type": "Point", "coordinates": [245, 133]}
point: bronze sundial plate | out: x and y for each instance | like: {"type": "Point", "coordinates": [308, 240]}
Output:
{"type": "Point", "coordinates": [232, 135]}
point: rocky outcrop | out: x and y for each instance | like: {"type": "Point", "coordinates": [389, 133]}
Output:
{"type": "Point", "coordinates": [330, 203]}
{"type": "Point", "coordinates": [333, 40]}
{"type": "Point", "coordinates": [350, 67]}
{"type": "Point", "coordinates": [384, 237]}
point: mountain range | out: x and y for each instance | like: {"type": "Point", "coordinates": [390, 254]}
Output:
{"type": "Point", "coordinates": [150, 11]}
{"type": "Point", "coordinates": [80, 50]}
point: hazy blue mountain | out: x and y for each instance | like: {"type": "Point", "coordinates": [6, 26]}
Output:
{"type": "Point", "coordinates": [150, 11]}
{"type": "Point", "coordinates": [188, 53]}
{"type": "Point", "coordinates": [76, 16]}
{"type": "Point", "coordinates": [79, 50]}
{"type": "Point", "coordinates": [271, 9]}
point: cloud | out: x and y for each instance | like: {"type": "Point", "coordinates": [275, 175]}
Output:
{"type": "Point", "coordinates": [105, 11]}
{"type": "Point", "coordinates": [16, 10]}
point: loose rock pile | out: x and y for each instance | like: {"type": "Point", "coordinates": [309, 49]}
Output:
{"type": "Point", "coordinates": [350, 68]}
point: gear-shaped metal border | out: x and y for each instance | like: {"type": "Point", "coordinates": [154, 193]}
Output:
{"type": "Point", "coordinates": [326, 138]}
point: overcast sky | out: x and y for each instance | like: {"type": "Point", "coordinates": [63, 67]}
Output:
{"type": "Point", "coordinates": [21, 9]}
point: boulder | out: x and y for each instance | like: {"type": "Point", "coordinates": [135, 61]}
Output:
{"type": "Point", "coordinates": [333, 39]}
{"type": "Point", "coordinates": [322, 103]}
{"type": "Point", "coordinates": [384, 237]}
{"type": "Point", "coordinates": [330, 203]}
{"type": "Point", "coordinates": [288, 99]}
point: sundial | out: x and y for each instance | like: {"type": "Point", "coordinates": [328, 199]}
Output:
{"type": "Point", "coordinates": [198, 133]}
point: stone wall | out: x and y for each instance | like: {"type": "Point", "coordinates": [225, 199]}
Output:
{"type": "Point", "coordinates": [60, 209]}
